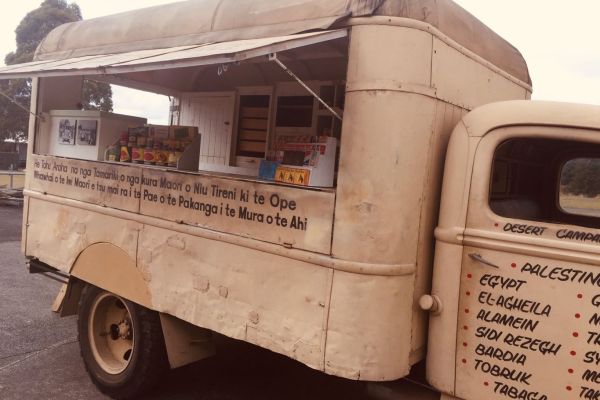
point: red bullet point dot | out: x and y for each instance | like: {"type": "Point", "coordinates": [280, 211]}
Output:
{"type": "Point", "coordinates": [465, 344]}
{"type": "Point", "coordinates": [468, 293]}
{"type": "Point", "coordinates": [569, 388]}
{"type": "Point", "coordinates": [464, 361]}
{"type": "Point", "coordinates": [573, 353]}
{"type": "Point", "coordinates": [571, 370]}
{"type": "Point", "coordinates": [469, 276]}
{"type": "Point", "coordinates": [575, 334]}
{"type": "Point", "coordinates": [577, 315]}
{"type": "Point", "coordinates": [465, 327]}
{"type": "Point", "coordinates": [486, 384]}
{"type": "Point", "coordinates": [466, 310]}
{"type": "Point", "coordinates": [580, 296]}
{"type": "Point", "coordinates": [496, 224]}
{"type": "Point", "coordinates": [513, 265]}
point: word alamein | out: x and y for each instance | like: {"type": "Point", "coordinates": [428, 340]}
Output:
{"type": "Point", "coordinates": [507, 320]}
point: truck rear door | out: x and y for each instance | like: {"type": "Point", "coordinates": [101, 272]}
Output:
{"type": "Point", "coordinates": [529, 308]}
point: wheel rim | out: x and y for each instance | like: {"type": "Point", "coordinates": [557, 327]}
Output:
{"type": "Point", "coordinates": [110, 332]}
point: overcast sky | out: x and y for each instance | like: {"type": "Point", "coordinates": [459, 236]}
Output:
{"type": "Point", "coordinates": [126, 101]}
{"type": "Point", "coordinates": [558, 39]}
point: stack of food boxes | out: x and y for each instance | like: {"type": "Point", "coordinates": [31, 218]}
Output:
{"type": "Point", "coordinates": [301, 160]}
{"type": "Point", "coordinates": [154, 144]}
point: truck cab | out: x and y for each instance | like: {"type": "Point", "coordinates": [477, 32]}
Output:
{"type": "Point", "coordinates": [516, 255]}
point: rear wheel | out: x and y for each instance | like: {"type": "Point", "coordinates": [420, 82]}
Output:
{"type": "Point", "coordinates": [121, 344]}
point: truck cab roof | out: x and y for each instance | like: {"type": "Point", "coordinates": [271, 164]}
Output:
{"type": "Point", "coordinates": [492, 116]}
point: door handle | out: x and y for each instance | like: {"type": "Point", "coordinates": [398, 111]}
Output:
{"type": "Point", "coordinates": [479, 258]}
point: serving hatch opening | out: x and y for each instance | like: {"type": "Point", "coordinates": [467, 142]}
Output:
{"type": "Point", "coordinates": [232, 109]}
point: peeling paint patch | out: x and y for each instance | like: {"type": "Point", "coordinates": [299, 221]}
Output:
{"type": "Point", "coordinates": [365, 207]}
{"type": "Point", "coordinates": [80, 229]}
{"type": "Point", "coordinates": [223, 291]}
{"type": "Point", "coordinates": [254, 317]}
{"type": "Point", "coordinates": [201, 284]}
{"type": "Point", "coordinates": [176, 242]}
{"type": "Point", "coordinates": [147, 276]}
{"type": "Point", "coordinates": [145, 256]}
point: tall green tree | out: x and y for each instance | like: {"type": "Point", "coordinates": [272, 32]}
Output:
{"type": "Point", "coordinates": [30, 32]}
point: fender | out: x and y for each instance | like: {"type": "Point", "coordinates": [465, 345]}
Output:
{"type": "Point", "coordinates": [108, 267]}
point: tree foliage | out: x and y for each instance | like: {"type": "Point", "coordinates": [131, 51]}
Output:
{"type": "Point", "coordinates": [37, 24]}
{"type": "Point", "coordinates": [97, 96]}
{"type": "Point", "coordinates": [581, 176]}
{"type": "Point", "coordinates": [32, 29]}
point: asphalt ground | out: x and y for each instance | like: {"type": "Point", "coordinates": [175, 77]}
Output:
{"type": "Point", "coordinates": [39, 352]}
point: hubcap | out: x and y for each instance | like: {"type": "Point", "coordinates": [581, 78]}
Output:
{"type": "Point", "coordinates": [110, 332]}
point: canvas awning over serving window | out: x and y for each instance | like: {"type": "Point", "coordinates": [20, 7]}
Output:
{"type": "Point", "coordinates": [175, 57]}
{"type": "Point", "coordinates": [214, 28]}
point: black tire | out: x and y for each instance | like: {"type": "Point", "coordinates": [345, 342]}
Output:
{"type": "Point", "coordinates": [142, 364]}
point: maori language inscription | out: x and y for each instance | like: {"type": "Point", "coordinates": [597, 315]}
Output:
{"type": "Point", "coordinates": [290, 216]}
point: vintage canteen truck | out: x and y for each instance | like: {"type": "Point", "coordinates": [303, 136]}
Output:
{"type": "Point", "coordinates": [323, 191]}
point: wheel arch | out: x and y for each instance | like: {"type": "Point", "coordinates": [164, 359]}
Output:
{"type": "Point", "coordinates": [185, 343]}
{"type": "Point", "coordinates": [110, 268]}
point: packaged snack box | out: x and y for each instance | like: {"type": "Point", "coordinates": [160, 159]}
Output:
{"type": "Point", "coordinates": [183, 133]}
{"type": "Point", "coordinates": [160, 132]}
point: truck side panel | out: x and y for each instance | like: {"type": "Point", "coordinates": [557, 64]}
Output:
{"type": "Point", "coordinates": [272, 301]}
{"type": "Point", "coordinates": [268, 300]}
{"type": "Point", "coordinates": [369, 314]}
{"type": "Point", "coordinates": [401, 106]}
{"type": "Point", "coordinates": [57, 234]}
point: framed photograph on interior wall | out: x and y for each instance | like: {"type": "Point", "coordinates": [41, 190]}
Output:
{"type": "Point", "coordinates": [66, 131]}
{"type": "Point", "coordinates": [87, 130]}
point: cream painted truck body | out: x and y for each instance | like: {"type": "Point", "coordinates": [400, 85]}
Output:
{"type": "Point", "coordinates": [339, 291]}
{"type": "Point", "coordinates": [516, 265]}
